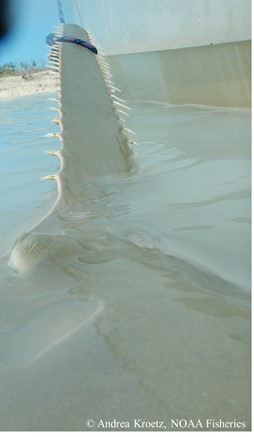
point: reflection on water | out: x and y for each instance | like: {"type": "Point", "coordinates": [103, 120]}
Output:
{"type": "Point", "coordinates": [136, 297]}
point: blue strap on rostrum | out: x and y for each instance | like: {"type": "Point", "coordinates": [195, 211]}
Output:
{"type": "Point", "coordinates": [52, 39]}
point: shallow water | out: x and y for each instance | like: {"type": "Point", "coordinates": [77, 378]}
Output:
{"type": "Point", "coordinates": [24, 196]}
{"type": "Point", "coordinates": [133, 302]}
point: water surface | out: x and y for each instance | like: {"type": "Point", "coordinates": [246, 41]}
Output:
{"type": "Point", "coordinates": [136, 304]}
{"type": "Point", "coordinates": [24, 197]}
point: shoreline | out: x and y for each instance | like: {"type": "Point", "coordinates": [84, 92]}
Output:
{"type": "Point", "coordinates": [26, 83]}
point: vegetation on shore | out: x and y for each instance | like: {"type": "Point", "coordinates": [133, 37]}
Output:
{"type": "Point", "coordinates": [22, 68]}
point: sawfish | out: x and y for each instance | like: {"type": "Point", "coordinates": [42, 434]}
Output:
{"type": "Point", "coordinates": [93, 146]}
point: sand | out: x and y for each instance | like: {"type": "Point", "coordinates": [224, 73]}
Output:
{"type": "Point", "coordinates": [13, 86]}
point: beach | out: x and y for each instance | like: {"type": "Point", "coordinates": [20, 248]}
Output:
{"type": "Point", "coordinates": [127, 297]}
{"type": "Point", "coordinates": [26, 83]}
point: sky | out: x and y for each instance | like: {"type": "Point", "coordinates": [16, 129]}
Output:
{"type": "Point", "coordinates": [32, 20]}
